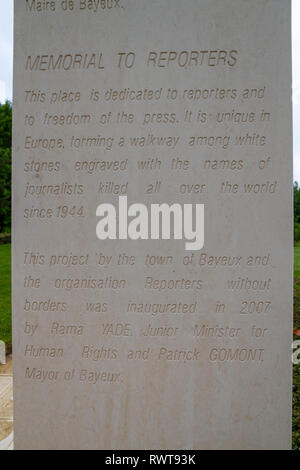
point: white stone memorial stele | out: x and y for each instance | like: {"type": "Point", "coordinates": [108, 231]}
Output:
{"type": "Point", "coordinates": [122, 344]}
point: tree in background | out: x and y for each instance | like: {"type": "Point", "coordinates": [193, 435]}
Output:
{"type": "Point", "coordinates": [5, 166]}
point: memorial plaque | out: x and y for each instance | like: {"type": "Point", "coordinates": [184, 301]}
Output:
{"type": "Point", "coordinates": [130, 333]}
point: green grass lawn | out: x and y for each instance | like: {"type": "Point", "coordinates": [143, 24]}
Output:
{"type": "Point", "coordinates": [5, 296]}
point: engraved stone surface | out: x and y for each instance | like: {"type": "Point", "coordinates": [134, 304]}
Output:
{"type": "Point", "coordinates": [122, 344]}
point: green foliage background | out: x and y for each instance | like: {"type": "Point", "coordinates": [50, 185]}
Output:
{"type": "Point", "coordinates": [5, 296]}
